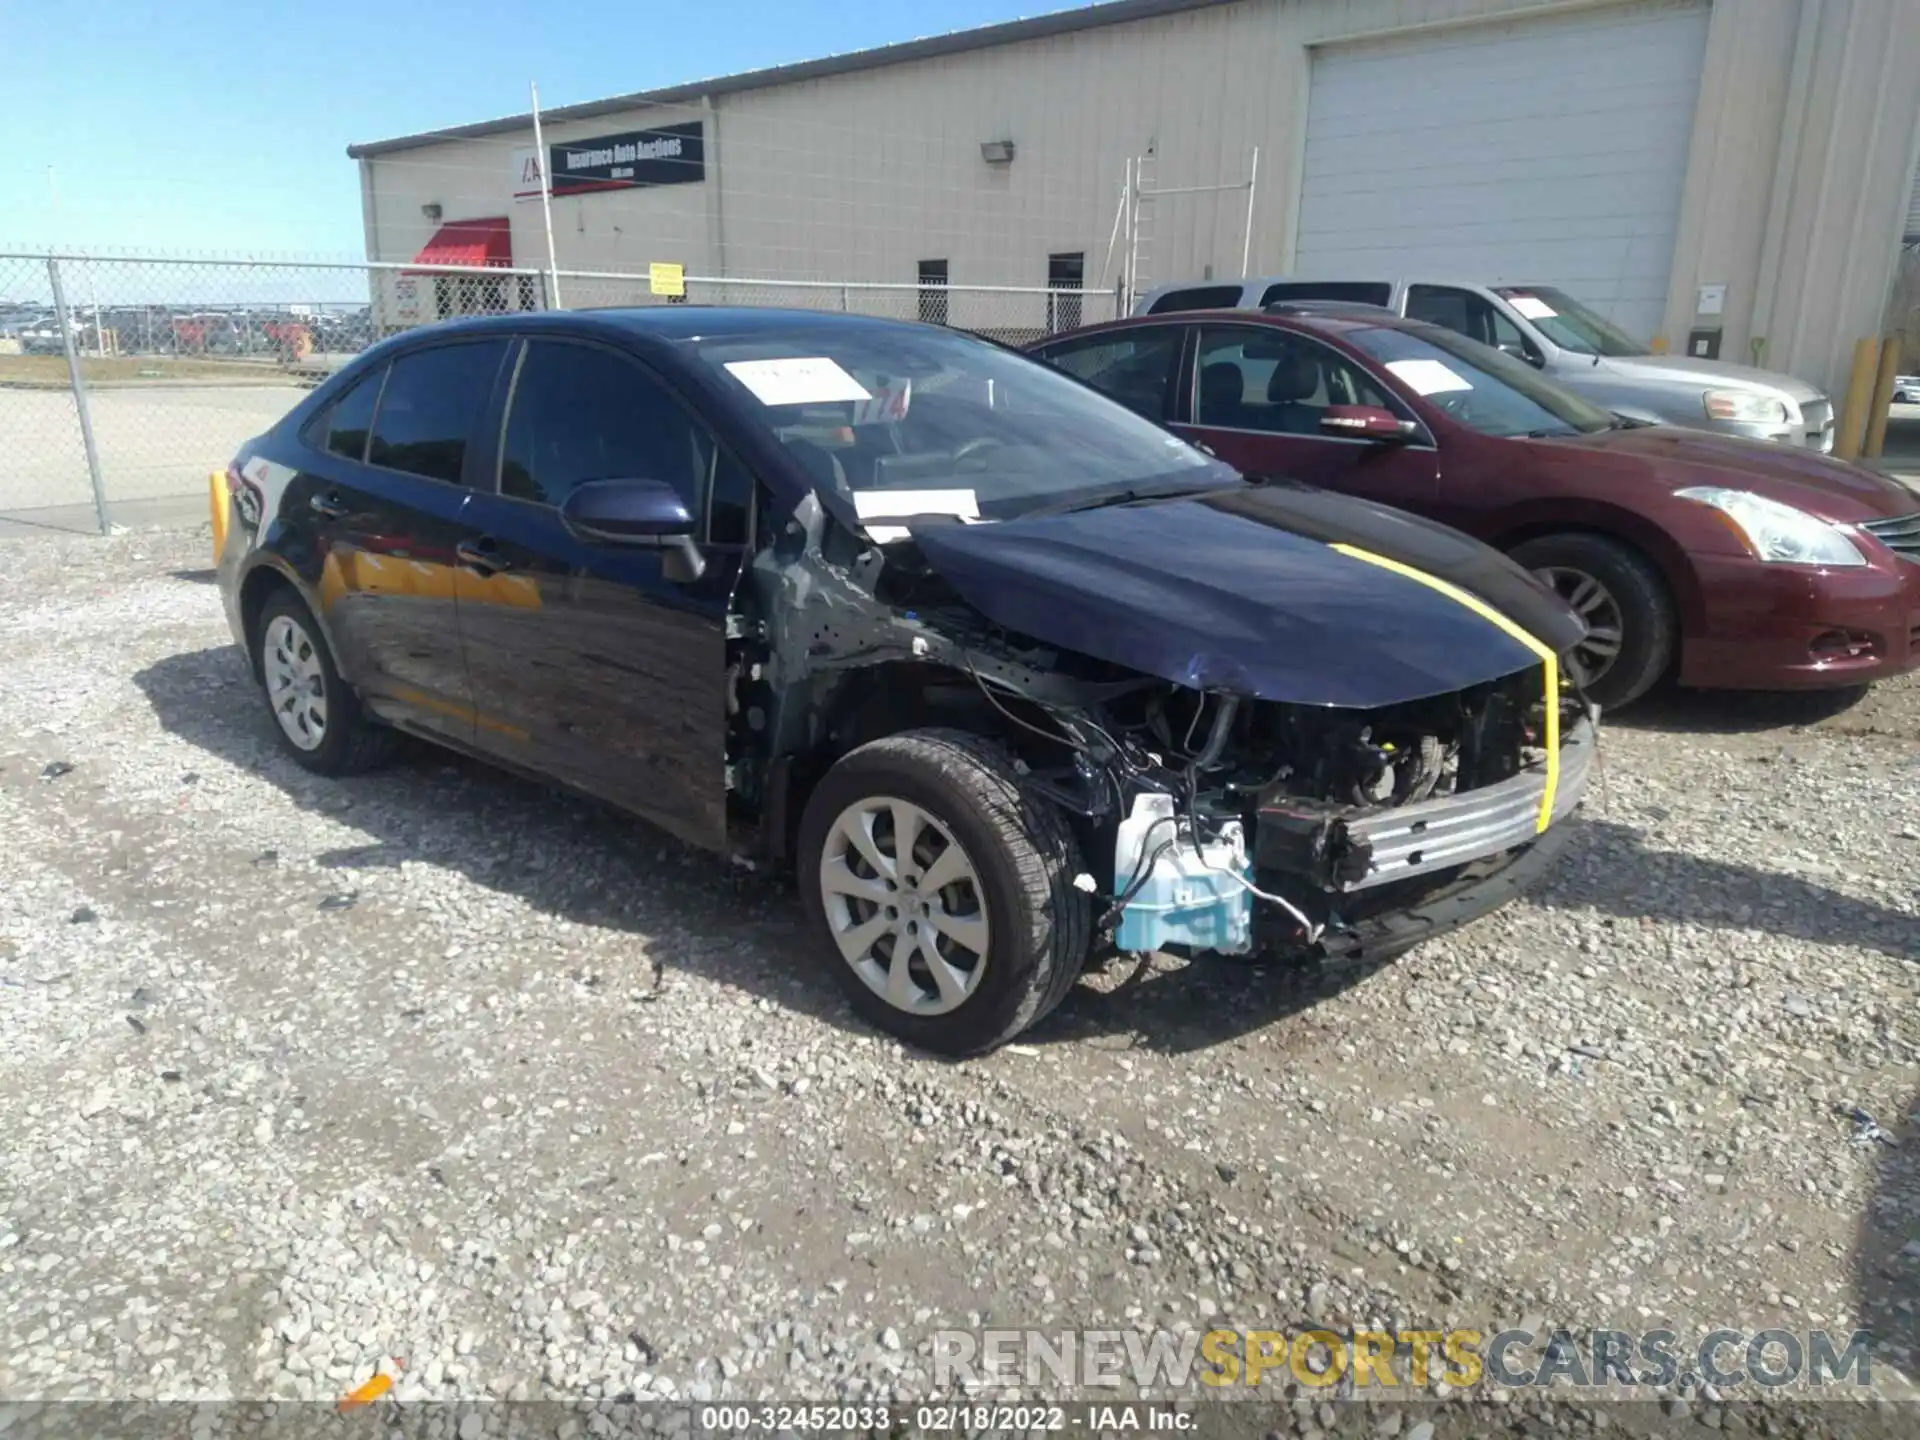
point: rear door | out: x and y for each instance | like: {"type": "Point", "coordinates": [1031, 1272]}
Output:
{"type": "Point", "coordinates": [588, 663]}
{"type": "Point", "coordinates": [387, 501]}
{"type": "Point", "coordinates": [1137, 366]}
{"type": "Point", "coordinates": [1258, 396]}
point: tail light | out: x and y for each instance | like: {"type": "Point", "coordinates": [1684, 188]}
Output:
{"type": "Point", "coordinates": [246, 496]}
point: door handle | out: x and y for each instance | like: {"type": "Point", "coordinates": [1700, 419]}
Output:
{"type": "Point", "coordinates": [482, 555]}
{"type": "Point", "coordinates": [329, 505]}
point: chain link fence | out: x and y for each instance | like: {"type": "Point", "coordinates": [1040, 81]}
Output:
{"type": "Point", "coordinates": [125, 380]}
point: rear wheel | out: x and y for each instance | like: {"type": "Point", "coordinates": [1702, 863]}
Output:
{"type": "Point", "coordinates": [1631, 631]}
{"type": "Point", "coordinates": [940, 888]}
{"type": "Point", "coordinates": [318, 718]}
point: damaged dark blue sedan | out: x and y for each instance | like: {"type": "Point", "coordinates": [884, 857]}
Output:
{"type": "Point", "coordinates": [1007, 673]}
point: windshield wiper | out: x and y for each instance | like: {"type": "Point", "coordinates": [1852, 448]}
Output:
{"type": "Point", "coordinates": [1127, 496]}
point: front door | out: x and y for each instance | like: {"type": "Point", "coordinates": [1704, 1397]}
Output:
{"type": "Point", "coordinates": [387, 496]}
{"type": "Point", "coordinates": [588, 662]}
{"type": "Point", "coordinates": [1258, 397]}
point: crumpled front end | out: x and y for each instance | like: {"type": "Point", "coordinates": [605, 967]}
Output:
{"type": "Point", "coordinates": [1322, 748]}
{"type": "Point", "coordinates": [1290, 830]}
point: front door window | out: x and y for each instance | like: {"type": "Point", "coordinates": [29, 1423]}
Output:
{"type": "Point", "coordinates": [1276, 382]}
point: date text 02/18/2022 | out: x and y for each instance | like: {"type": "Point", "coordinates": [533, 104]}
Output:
{"type": "Point", "coordinates": [943, 1418]}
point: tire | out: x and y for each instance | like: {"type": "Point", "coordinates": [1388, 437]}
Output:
{"type": "Point", "coordinates": [1631, 588]}
{"type": "Point", "coordinates": [288, 643]}
{"type": "Point", "coordinates": [1020, 858]}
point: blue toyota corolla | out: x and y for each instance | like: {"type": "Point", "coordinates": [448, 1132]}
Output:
{"type": "Point", "coordinates": [1006, 672]}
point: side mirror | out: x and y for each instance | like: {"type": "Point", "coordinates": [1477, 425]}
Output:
{"type": "Point", "coordinates": [1524, 352]}
{"type": "Point", "coordinates": [639, 514]}
{"type": "Point", "coordinates": [1367, 422]}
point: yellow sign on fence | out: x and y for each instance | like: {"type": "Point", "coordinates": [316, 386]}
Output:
{"type": "Point", "coordinates": [666, 279]}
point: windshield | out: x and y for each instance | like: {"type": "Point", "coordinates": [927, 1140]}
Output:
{"type": "Point", "coordinates": [1568, 323]}
{"type": "Point", "coordinates": [1477, 385]}
{"type": "Point", "coordinates": [872, 409]}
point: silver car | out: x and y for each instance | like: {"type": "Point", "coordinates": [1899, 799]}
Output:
{"type": "Point", "coordinates": [1569, 342]}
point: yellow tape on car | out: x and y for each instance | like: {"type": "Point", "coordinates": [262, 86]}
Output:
{"type": "Point", "coordinates": [1549, 662]}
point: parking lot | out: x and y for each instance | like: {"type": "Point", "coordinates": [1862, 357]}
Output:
{"type": "Point", "coordinates": [157, 441]}
{"type": "Point", "coordinates": [435, 1071]}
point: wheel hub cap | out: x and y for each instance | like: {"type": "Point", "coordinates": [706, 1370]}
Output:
{"type": "Point", "coordinates": [1595, 605]}
{"type": "Point", "coordinates": [905, 905]}
{"type": "Point", "coordinates": [296, 682]}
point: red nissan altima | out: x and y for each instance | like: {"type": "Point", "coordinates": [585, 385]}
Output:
{"type": "Point", "coordinates": [1725, 563]}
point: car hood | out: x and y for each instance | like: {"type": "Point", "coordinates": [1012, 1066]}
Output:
{"type": "Point", "coordinates": [1684, 369]}
{"type": "Point", "coordinates": [1668, 458]}
{"type": "Point", "coordinates": [1241, 591]}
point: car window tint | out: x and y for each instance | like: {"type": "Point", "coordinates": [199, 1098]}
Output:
{"type": "Point", "coordinates": [342, 427]}
{"type": "Point", "coordinates": [580, 413]}
{"type": "Point", "coordinates": [1444, 306]}
{"type": "Point", "coordinates": [428, 408]}
{"type": "Point", "coordinates": [1277, 381]}
{"type": "Point", "coordinates": [730, 508]}
{"type": "Point", "coordinates": [1200, 297]}
{"type": "Point", "coordinates": [1365, 292]}
{"type": "Point", "coordinates": [1134, 367]}
{"type": "Point", "coordinates": [1504, 334]}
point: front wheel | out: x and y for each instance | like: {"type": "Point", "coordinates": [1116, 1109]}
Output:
{"type": "Point", "coordinates": [940, 889]}
{"type": "Point", "coordinates": [1631, 630]}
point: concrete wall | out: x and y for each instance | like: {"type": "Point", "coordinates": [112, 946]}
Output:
{"type": "Point", "coordinates": [1798, 175]}
{"type": "Point", "coordinates": [1803, 150]}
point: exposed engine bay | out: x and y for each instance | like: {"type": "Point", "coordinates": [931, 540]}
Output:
{"type": "Point", "coordinates": [1209, 819]}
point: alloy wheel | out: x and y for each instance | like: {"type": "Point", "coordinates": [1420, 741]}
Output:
{"type": "Point", "coordinates": [905, 904]}
{"type": "Point", "coordinates": [296, 682]}
{"type": "Point", "coordinates": [1596, 605]}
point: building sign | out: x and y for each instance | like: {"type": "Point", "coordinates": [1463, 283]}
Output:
{"type": "Point", "coordinates": [670, 155]}
{"type": "Point", "coordinates": [526, 174]}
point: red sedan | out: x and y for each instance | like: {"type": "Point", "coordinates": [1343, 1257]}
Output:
{"type": "Point", "coordinates": [1726, 563]}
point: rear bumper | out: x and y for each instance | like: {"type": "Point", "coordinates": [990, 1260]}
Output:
{"type": "Point", "coordinates": [1784, 627]}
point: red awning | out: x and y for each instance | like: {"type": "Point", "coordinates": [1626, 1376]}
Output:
{"type": "Point", "coordinates": [469, 242]}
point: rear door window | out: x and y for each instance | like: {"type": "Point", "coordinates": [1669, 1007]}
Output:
{"type": "Point", "coordinates": [341, 429]}
{"type": "Point", "coordinates": [1364, 292]}
{"type": "Point", "coordinates": [1135, 367]}
{"type": "Point", "coordinates": [429, 406]}
{"type": "Point", "coordinates": [1200, 297]}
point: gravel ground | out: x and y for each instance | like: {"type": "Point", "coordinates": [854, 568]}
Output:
{"type": "Point", "coordinates": [438, 1072]}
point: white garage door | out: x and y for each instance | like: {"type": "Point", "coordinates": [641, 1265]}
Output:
{"type": "Point", "coordinates": [1547, 151]}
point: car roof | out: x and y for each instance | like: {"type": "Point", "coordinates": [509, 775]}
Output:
{"type": "Point", "coordinates": [1394, 278]}
{"type": "Point", "coordinates": [1324, 322]}
{"type": "Point", "coordinates": [675, 322]}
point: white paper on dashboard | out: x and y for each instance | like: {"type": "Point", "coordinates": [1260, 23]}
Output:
{"type": "Point", "coordinates": [799, 380]}
{"type": "Point", "coordinates": [1428, 377]}
{"type": "Point", "coordinates": [871, 505]}
{"type": "Point", "coordinates": [1532, 307]}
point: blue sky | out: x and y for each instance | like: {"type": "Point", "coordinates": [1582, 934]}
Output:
{"type": "Point", "coordinates": [222, 125]}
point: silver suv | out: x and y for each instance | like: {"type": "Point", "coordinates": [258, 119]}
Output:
{"type": "Point", "coordinates": [1567, 341]}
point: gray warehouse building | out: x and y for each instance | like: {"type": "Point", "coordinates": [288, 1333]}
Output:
{"type": "Point", "coordinates": [1743, 166]}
